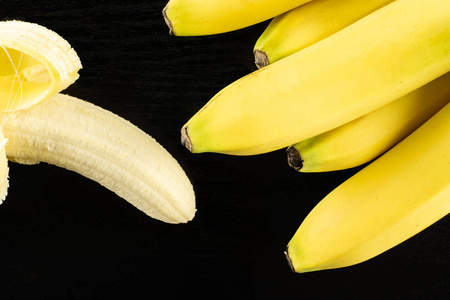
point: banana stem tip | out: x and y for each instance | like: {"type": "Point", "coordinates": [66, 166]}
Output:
{"type": "Point", "coordinates": [294, 159]}
{"type": "Point", "coordinates": [261, 58]}
{"type": "Point", "coordinates": [185, 140]}
{"type": "Point", "coordinates": [167, 20]}
{"type": "Point", "coordinates": [286, 253]}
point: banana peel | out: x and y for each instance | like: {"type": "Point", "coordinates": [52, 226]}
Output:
{"type": "Point", "coordinates": [36, 64]}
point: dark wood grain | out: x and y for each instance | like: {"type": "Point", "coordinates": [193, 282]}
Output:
{"type": "Point", "coordinates": [63, 236]}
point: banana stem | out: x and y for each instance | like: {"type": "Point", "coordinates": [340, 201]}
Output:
{"type": "Point", "coordinates": [167, 20]}
{"type": "Point", "coordinates": [294, 158]}
{"type": "Point", "coordinates": [286, 253]}
{"type": "Point", "coordinates": [185, 140]}
{"type": "Point", "coordinates": [261, 58]}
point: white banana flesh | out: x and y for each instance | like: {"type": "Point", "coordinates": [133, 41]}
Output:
{"type": "Point", "coordinates": [4, 170]}
{"type": "Point", "coordinates": [81, 137]}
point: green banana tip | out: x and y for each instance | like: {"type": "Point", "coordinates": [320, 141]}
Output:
{"type": "Point", "coordinates": [185, 140]}
{"type": "Point", "coordinates": [294, 158]}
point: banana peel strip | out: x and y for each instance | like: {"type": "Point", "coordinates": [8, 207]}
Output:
{"type": "Point", "coordinates": [36, 62]}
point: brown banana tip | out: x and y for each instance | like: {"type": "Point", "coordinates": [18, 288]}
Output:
{"type": "Point", "coordinates": [185, 140]}
{"type": "Point", "coordinates": [286, 253]}
{"type": "Point", "coordinates": [261, 58]}
{"type": "Point", "coordinates": [294, 159]}
{"type": "Point", "coordinates": [167, 20]}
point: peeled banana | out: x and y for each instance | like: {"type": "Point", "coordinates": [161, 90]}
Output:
{"type": "Point", "coordinates": [307, 25]}
{"type": "Point", "coordinates": [398, 195]}
{"type": "Point", "coordinates": [205, 17]}
{"type": "Point", "coordinates": [374, 61]}
{"type": "Point", "coordinates": [81, 137]}
{"type": "Point", "coordinates": [37, 123]}
{"type": "Point", "coordinates": [367, 137]}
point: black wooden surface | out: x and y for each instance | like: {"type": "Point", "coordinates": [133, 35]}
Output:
{"type": "Point", "coordinates": [63, 236]}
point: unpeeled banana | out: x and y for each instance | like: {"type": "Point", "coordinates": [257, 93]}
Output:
{"type": "Point", "coordinates": [205, 17]}
{"type": "Point", "coordinates": [398, 195]}
{"type": "Point", "coordinates": [372, 62]}
{"type": "Point", "coordinates": [307, 25]}
{"type": "Point", "coordinates": [367, 137]}
{"type": "Point", "coordinates": [39, 124]}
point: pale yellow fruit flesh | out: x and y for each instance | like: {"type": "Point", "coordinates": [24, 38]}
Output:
{"type": "Point", "coordinates": [76, 135]}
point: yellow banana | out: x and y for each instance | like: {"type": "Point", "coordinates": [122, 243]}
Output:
{"type": "Point", "coordinates": [204, 17]}
{"type": "Point", "coordinates": [36, 63]}
{"type": "Point", "coordinates": [71, 133]}
{"type": "Point", "coordinates": [367, 137]}
{"type": "Point", "coordinates": [308, 24]}
{"type": "Point", "coordinates": [81, 137]}
{"type": "Point", "coordinates": [372, 62]}
{"type": "Point", "coordinates": [398, 195]}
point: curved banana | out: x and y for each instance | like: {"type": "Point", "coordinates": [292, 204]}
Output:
{"type": "Point", "coordinates": [36, 63]}
{"type": "Point", "coordinates": [205, 17]}
{"type": "Point", "coordinates": [81, 137]}
{"type": "Point", "coordinates": [367, 137]}
{"type": "Point", "coordinates": [395, 197]}
{"type": "Point", "coordinates": [384, 56]}
{"type": "Point", "coordinates": [308, 24]}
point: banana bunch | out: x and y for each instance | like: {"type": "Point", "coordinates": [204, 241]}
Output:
{"type": "Point", "coordinates": [340, 83]}
{"type": "Point", "coordinates": [398, 195]}
{"type": "Point", "coordinates": [39, 124]}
